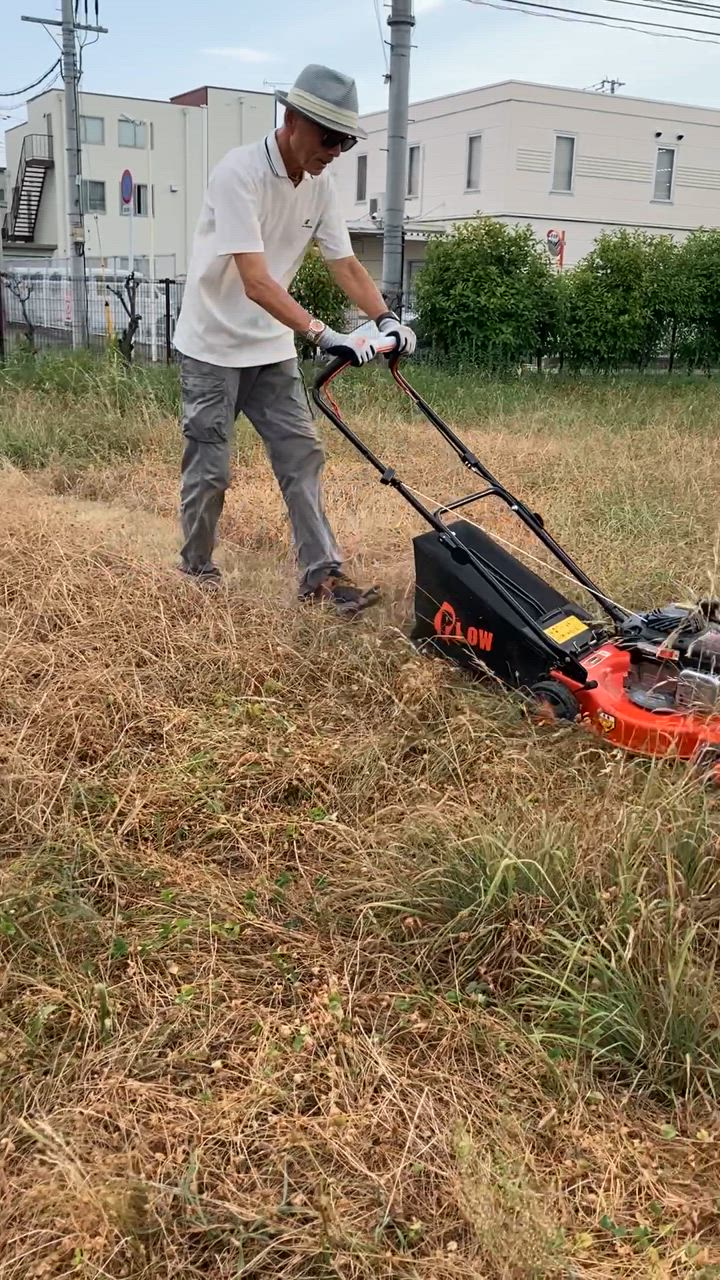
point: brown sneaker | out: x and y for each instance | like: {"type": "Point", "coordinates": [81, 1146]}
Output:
{"type": "Point", "coordinates": [208, 576]}
{"type": "Point", "coordinates": [346, 598]}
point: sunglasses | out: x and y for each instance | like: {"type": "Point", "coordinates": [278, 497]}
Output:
{"type": "Point", "coordinates": [330, 139]}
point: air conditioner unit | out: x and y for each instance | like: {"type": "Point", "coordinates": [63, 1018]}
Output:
{"type": "Point", "coordinates": [377, 206]}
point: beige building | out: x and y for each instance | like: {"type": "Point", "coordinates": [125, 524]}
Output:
{"type": "Point", "coordinates": [169, 148]}
{"type": "Point", "coordinates": [563, 160]}
{"type": "Point", "coordinates": [575, 162]}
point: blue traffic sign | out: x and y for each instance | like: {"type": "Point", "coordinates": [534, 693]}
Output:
{"type": "Point", "coordinates": [126, 187]}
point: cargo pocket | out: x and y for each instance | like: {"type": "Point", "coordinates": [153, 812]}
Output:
{"type": "Point", "coordinates": [208, 401]}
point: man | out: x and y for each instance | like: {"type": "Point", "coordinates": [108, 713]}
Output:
{"type": "Point", "coordinates": [264, 204]}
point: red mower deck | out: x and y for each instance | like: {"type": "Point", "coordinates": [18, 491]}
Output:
{"type": "Point", "coordinates": [648, 683]}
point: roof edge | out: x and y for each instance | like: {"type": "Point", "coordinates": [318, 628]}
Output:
{"type": "Point", "coordinates": [556, 88]}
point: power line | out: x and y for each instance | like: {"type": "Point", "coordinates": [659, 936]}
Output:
{"type": "Point", "coordinates": [690, 9]}
{"type": "Point", "coordinates": [378, 18]}
{"type": "Point", "coordinates": [622, 22]}
{"type": "Point", "coordinates": [87, 43]}
{"type": "Point", "coordinates": [672, 6]}
{"type": "Point", "coordinates": [688, 6]}
{"type": "Point", "coordinates": [593, 20]}
{"type": "Point", "coordinates": [619, 21]}
{"type": "Point", "coordinates": [661, 7]}
{"type": "Point", "coordinates": [17, 93]}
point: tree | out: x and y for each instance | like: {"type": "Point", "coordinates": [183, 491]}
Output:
{"type": "Point", "coordinates": [699, 271]}
{"type": "Point", "coordinates": [128, 298]}
{"type": "Point", "coordinates": [315, 290]}
{"type": "Point", "coordinates": [486, 294]}
{"type": "Point", "coordinates": [22, 288]}
{"type": "Point", "coordinates": [623, 303]}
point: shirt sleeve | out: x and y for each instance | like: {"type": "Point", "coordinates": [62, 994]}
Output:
{"type": "Point", "coordinates": [235, 199]}
{"type": "Point", "coordinates": [331, 233]}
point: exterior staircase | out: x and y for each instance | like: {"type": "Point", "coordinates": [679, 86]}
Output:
{"type": "Point", "coordinates": [36, 158]}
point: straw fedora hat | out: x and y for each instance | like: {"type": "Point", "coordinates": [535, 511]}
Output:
{"type": "Point", "coordinates": [327, 97]}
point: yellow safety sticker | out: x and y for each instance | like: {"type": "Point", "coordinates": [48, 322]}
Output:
{"type": "Point", "coordinates": [566, 629]}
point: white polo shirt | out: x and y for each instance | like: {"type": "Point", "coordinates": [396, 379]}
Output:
{"type": "Point", "coordinates": [251, 206]}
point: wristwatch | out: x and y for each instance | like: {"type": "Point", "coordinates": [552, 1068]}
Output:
{"type": "Point", "coordinates": [314, 331]}
{"type": "Point", "coordinates": [386, 315]}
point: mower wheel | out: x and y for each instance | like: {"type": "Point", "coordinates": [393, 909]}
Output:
{"type": "Point", "coordinates": [558, 699]}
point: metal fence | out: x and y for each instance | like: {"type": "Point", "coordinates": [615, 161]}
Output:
{"type": "Point", "coordinates": [36, 311]}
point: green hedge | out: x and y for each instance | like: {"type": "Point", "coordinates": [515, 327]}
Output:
{"type": "Point", "coordinates": [489, 295]}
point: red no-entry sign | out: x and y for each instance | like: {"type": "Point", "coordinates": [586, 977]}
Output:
{"type": "Point", "coordinates": [126, 187]}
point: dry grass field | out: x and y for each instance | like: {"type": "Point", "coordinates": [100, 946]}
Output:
{"type": "Point", "coordinates": [320, 962]}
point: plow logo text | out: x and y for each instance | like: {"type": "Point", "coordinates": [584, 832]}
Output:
{"type": "Point", "coordinates": [448, 625]}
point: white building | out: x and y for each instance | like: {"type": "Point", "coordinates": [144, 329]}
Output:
{"type": "Point", "coordinates": [572, 161]}
{"type": "Point", "coordinates": [169, 148]}
{"type": "Point", "coordinates": [576, 162]}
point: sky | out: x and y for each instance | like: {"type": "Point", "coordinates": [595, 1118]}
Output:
{"type": "Point", "coordinates": [157, 48]}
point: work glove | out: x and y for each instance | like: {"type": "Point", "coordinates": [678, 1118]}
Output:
{"type": "Point", "coordinates": [390, 327]}
{"type": "Point", "coordinates": [356, 347]}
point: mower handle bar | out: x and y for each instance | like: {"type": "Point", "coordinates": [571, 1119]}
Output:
{"type": "Point", "coordinates": [384, 348]}
{"type": "Point", "coordinates": [470, 460]}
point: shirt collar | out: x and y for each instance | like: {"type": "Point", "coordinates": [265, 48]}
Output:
{"type": "Point", "coordinates": [275, 160]}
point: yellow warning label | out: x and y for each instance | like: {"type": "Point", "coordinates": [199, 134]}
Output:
{"type": "Point", "coordinates": [566, 629]}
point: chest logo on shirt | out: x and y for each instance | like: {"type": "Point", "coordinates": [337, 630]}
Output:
{"type": "Point", "coordinates": [307, 223]}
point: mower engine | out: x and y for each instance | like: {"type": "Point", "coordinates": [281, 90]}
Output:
{"type": "Point", "coordinates": [675, 659]}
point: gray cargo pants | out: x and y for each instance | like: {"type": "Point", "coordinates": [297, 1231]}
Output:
{"type": "Point", "coordinates": [273, 398]}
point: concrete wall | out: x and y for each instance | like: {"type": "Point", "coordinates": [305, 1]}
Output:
{"type": "Point", "coordinates": [615, 159]}
{"type": "Point", "coordinates": [615, 154]}
{"type": "Point", "coordinates": [441, 128]}
{"type": "Point", "coordinates": [234, 117]}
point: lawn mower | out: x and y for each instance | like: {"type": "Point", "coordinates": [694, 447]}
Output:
{"type": "Point", "coordinates": [645, 682]}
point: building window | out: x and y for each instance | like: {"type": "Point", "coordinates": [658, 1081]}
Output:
{"type": "Point", "coordinates": [93, 196]}
{"type": "Point", "coordinates": [413, 178]}
{"type": "Point", "coordinates": [664, 170]}
{"type": "Point", "coordinates": [361, 179]}
{"type": "Point", "coordinates": [131, 133]}
{"type": "Point", "coordinates": [140, 201]}
{"type": "Point", "coordinates": [92, 130]}
{"type": "Point", "coordinates": [564, 167]}
{"type": "Point", "coordinates": [472, 175]}
{"type": "Point", "coordinates": [2, 195]}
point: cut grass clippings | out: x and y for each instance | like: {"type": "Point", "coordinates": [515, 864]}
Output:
{"type": "Point", "coordinates": [320, 962]}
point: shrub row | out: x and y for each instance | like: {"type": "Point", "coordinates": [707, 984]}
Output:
{"type": "Point", "coordinates": [489, 295]}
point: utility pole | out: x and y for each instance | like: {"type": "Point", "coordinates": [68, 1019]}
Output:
{"type": "Point", "coordinates": [3, 116]}
{"type": "Point", "coordinates": [76, 222]}
{"type": "Point", "coordinates": [613, 85]}
{"type": "Point", "coordinates": [401, 23]}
